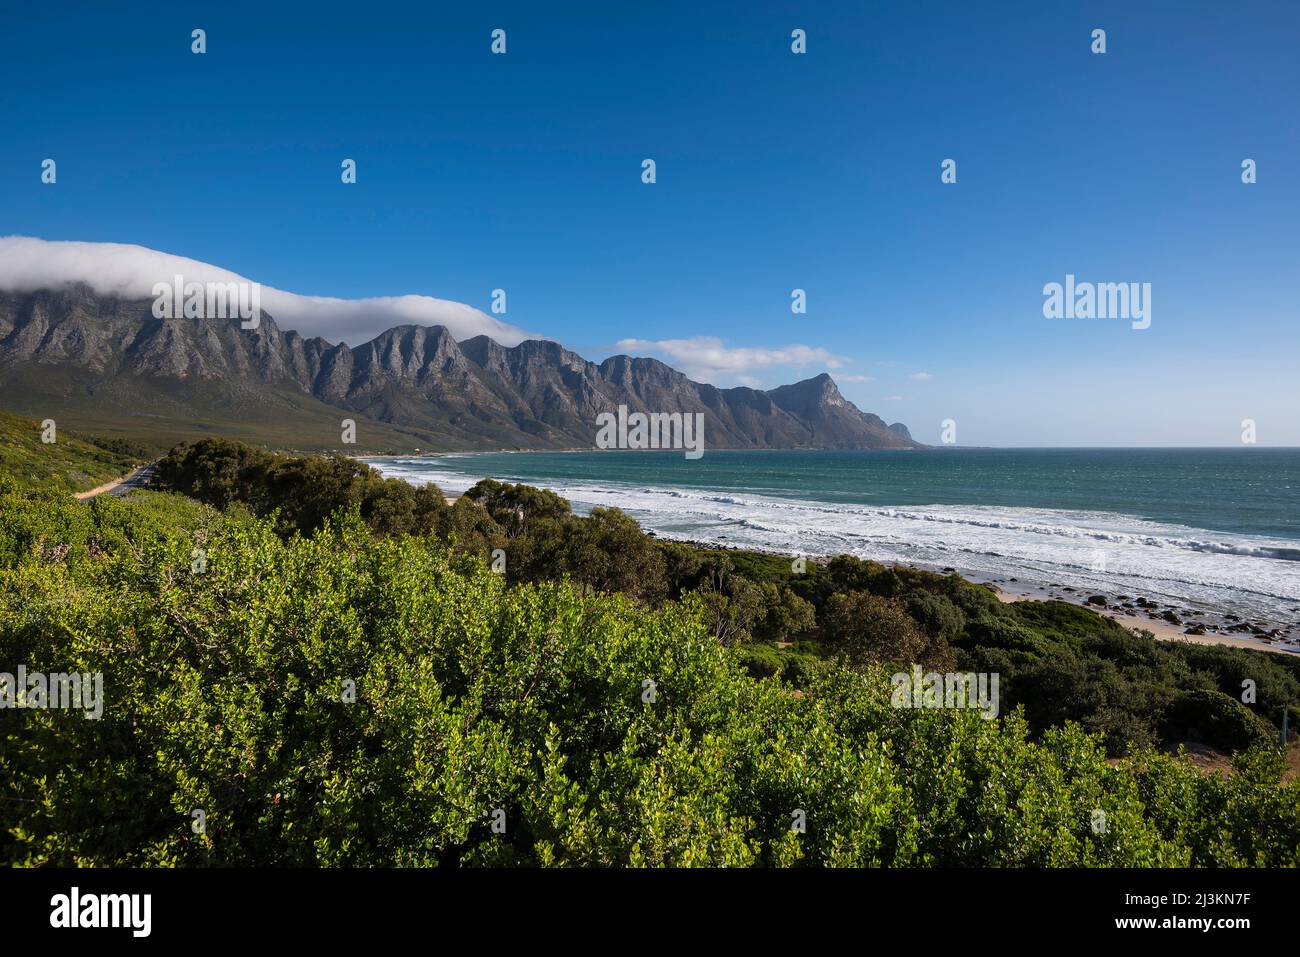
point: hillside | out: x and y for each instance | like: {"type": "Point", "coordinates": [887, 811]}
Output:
{"type": "Point", "coordinates": [69, 463]}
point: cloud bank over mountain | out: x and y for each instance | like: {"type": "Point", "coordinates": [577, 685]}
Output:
{"type": "Point", "coordinates": [127, 271]}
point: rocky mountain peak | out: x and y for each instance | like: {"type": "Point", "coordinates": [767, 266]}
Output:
{"type": "Point", "coordinates": [809, 395]}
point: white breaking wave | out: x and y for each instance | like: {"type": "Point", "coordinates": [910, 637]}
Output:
{"type": "Point", "coordinates": [1253, 576]}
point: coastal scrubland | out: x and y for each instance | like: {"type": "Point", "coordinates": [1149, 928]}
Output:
{"type": "Point", "coordinates": [336, 669]}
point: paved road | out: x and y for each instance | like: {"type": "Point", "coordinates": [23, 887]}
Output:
{"type": "Point", "coordinates": [137, 479]}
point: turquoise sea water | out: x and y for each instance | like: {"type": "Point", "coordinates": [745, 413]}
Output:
{"type": "Point", "coordinates": [1206, 527]}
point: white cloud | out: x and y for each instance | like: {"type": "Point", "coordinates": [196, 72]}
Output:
{"type": "Point", "coordinates": [854, 378]}
{"type": "Point", "coordinates": [708, 359]}
{"type": "Point", "coordinates": [129, 271]}
{"type": "Point", "coordinates": [921, 376]}
{"type": "Point", "coordinates": [895, 398]}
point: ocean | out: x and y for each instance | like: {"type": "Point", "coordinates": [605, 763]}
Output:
{"type": "Point", "coordinates": [1209, 529]}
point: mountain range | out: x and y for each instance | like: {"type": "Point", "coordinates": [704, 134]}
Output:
{"type": "Point", "coordinates": [104, 363]}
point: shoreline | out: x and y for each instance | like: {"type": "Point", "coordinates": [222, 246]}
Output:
{"type": "Point", "coordinates": [1287, 644]}
{"type": "Point", "coordinates": [1165, 618]}
{"type": "Point", "coordinates": [1217, 626]}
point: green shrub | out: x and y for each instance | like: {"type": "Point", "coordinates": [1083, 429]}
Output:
{"type": "Point", "coordinates": [1216, 719]}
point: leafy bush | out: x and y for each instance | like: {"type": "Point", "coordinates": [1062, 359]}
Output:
{"type": "Point", "coordinates": [1214, 717]}
{"type": "Point", "coordinates": [936, 613]}
{"type": "Point", "coordinates": [867, 628]}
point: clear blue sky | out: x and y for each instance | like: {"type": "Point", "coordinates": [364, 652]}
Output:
{"type": "Point", "coordinates": [775, 171]}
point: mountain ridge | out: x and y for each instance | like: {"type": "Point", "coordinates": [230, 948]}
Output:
{"type": "Point", "coordinates": [107, 362]}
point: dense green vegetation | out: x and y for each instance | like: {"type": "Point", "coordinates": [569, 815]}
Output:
{"type": "Point", "coordinates": [345, 681]}
{"type": "Point", "coordinates": [1058, 661]}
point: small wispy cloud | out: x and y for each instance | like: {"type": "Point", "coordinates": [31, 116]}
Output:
{"type": "Point", "coordinates": [854, 378]}
{"type": "Point", "coordinates": [895, 398]}
{"type": "Point", "coordinates": [921, 376]}
{"type": "Point", "coordinates": [710, 359]}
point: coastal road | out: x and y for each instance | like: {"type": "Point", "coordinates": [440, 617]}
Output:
{"type": "Point", "coordinates": [119, 487]}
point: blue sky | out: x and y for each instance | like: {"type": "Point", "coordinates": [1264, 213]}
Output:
{"type": "Point", "coordinates": [775, 171]}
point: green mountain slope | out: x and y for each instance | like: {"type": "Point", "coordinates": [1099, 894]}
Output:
{"type": "Point", "coordinates": [158, 413]}
{"type": "Point", "coordinates": [69, 462]}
